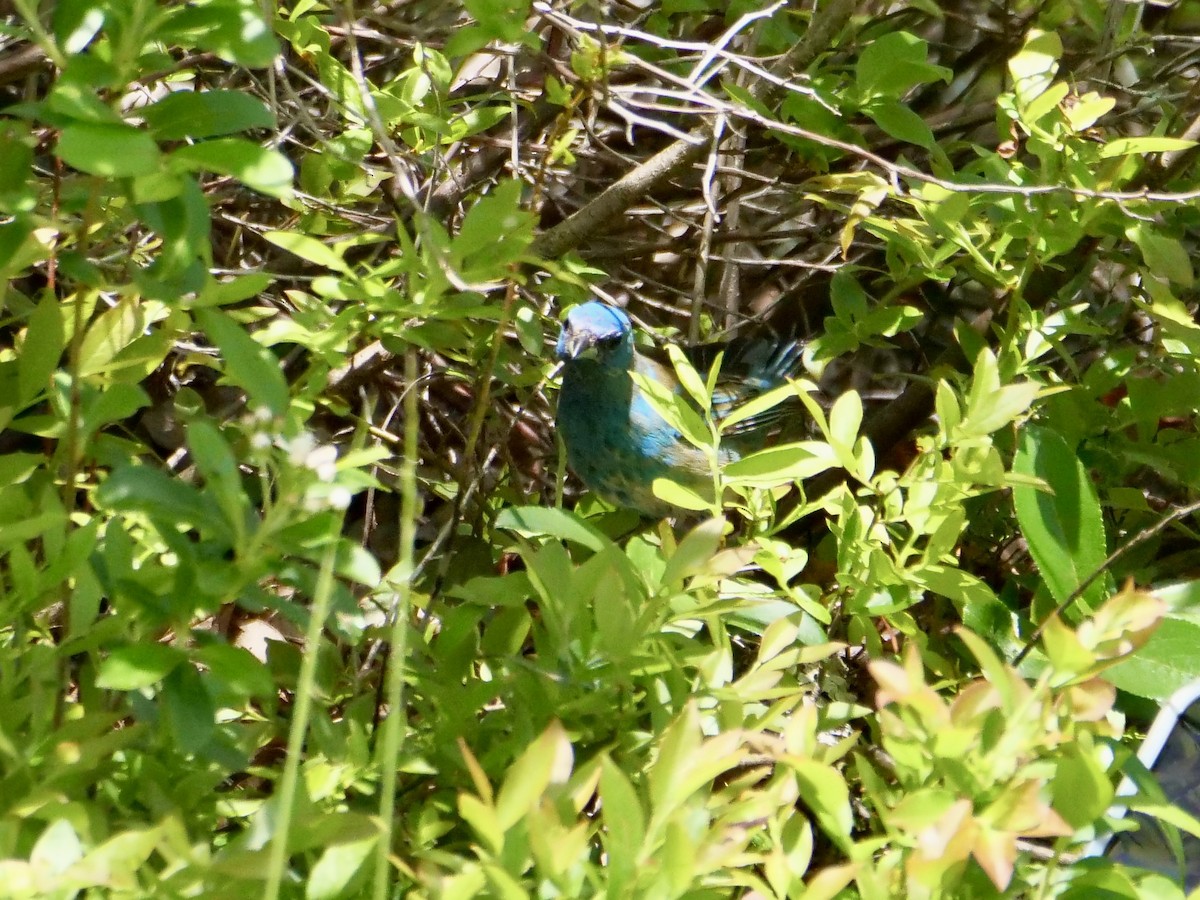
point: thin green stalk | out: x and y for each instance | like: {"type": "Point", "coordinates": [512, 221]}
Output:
{"type": "Point", "coordinates": [394, 724]}
{"type": "Point", "coordinates": [322, 600]}
{"type": "Point", "coordinates": [28, 10]}
{"type": "Point", "coordinates": [72, 438]}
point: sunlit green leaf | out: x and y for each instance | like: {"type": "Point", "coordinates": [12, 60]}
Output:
{"type": "Point", "coordinates": [680, 495]}
{"type": "Point", "coordinates": [138, 666]}
{"type": "Point", "coordinates": [1064, 529]}
{"type": "Point", "coordinates": [546, 761]}
{"type": "Point", "coordinates": [113, 151]}
{"type": "Point", "coordinates": [1035, 65]}
{"type": "Point", "coordinates": [1149, 144]}
{"type": "Point", "coordinates": [694, 551]}
{"type": "Point", "coordinates": [255, 166]}
{"type": "Point", "coordinates": [625, 824]}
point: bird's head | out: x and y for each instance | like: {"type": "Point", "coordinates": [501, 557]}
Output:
{"type": "Point", "coordinates": [595, 330]}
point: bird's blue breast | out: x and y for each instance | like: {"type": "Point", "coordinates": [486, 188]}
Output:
{"type": "Point", "coordinates": [616, 442]}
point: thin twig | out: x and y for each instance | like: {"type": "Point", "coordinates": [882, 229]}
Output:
{"type": "Point", "coordinates": [1140, 538]}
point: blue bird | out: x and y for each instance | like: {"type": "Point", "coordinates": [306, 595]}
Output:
{"type": "Point", "coordinates": [617, 443]}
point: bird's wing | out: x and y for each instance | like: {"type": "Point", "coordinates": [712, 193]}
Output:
{"type": "Point", "coordinates": [752, 366]}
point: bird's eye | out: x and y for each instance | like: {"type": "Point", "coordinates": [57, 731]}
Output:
{"type": "Point", "coordinates": [609, 340]}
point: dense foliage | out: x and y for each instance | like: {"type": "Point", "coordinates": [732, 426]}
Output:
{"type": "Point", "coordinates": [296, 595]}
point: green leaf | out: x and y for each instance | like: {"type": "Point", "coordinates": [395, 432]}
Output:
{"type": "Point", "coordinates": [946, 406]}
{"type": "Point", "coordinates": [695, 551]}
{"type": "Point", "coordinates": [989, 405]}
{"type": "Point", "coordinates": [844, 421]}
{"type": "Point", "coordinates": [215, 461]}
{"type": "Point", "coordinates": [542, 521]}
{"type": "Point", "coordinates": [202, 114]}
{"type": "Point", "coordinates": [58, 847]}
{"type": "Point", "coordinates": [110, 333]}
{"type": "Point", "coordinates": [19, 246]}
{"type": "Point", "coordinates": [981, 610]}
{"type": "Point", "coordinates": [1064, 529]}
{"type": "Point", "coordinates": [235, 30]}
{"type": "Point", "coordinates": [678, 748]}
{"type": "Point", "coordinates": [17, 193]}
{"type": "Point", "coordinates": [139, 666]}
{"type": "Point", "coordinates": [1000, 408]}
{"type": "Point", "coordinates": [16, 468]}
{"type": "Point", "coordinates": [986, 380]}
{"type": "Point", "coordinates": [502, 20]}
{"type": "Point", "coordinates": [1081, 790]}
{"type": "Point", "coordinates": [678, 495]}
{"type": "Point", "coordinates": [901, 123]}
{"type": "Point", "coordinates": [111, 151]}
{"type": "Point", "coordinates": [1172, 815]}
{"type": "Point", "coordinates": [122, 853]}
{"type": "Point", "coordinates": [184, 222]}
{"type": "Point", "coordinates": [1034, 67]}
{"type": "Point", "coordinates": [266, 171]}
{"type": "Point", "coordinates": [40, 352]}
{"type": "Point", "coordinates": [824, 791]}
{"type": "Point", "coordinates": [134, 488]}
{"type": "Point", "coordinates": [18, 530]}
{"type": "Point", "coordinates": [248, 364]}
{"type": "Point", "coordinates": [510, 590]}
{"type": "Point", "coordinates": [546, 761]}
{"type": "Point", "coordinates": [235, 289]}
{"type": "Point", "coordinates": [1045, 103]}
{"type": "Point", "coordinates": [73, 100]}
{"type": "Point", "coordinates": [1115, 883]}
{"type": "Point", "coordinates": [783, 463]}
{"type": "Point", "coordinates": [1165, 663]}
{"type": "Point", "coordinates": [1127, 146]}
{"type": "Point", "coordinates": [528, 327]}
{"type": "Point", "coordinates": [1087, 110]}
{"type": "Point", "coordinates": [237, 669]}
{"type": "Point", "coordinates": [675, 408]}
{"type": "Point", "coordinates": [1165, 256]}
{"type": "Point", "coordinates": [689, 378]}
{"type": "Point", "coordinates": [895, 63]}
{"type": "Point", "coordinates": [494, 234]}
{"type": "Point", "coordinates": [625, 826]}
{"type": "Point", "coordinates": [189, 711]}
{"type": "Point", "coordinates": [309, 249]}
{"type": "Point", "coordinates": [850, 301]}
{"type": "Point", "coordinates": [337, 869]}
{"type": "Point", "coordinates": [116, 402]}
{"type": "Point", "coordinates": [758, 405]}
{"type": "Point", "coordinates": [357, 564]}
{"type": "Point", "coordinates": [482, 819]}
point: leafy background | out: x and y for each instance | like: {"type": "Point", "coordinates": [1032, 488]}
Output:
{"type": "Point", "coordinates": [297, 598]}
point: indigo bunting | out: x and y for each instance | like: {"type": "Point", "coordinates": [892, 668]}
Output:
{"type": "Point", "coordinates": [617, 443]}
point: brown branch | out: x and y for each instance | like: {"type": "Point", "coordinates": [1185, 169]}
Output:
{"type": "Point", "coordinates": [827, 21]}
{"type": "Point", "coordinates": [20, 62]}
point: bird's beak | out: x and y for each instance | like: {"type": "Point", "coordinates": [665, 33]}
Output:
{"type": "Point", "coordinates": [572, 346]}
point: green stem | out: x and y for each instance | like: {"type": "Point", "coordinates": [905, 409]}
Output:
{"type": "Point", "coordinates": [28, 11]}
{"type": "Point", "coordinates": [394, 724]}
{"type": "Point", "coordinates": [301, 712]}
